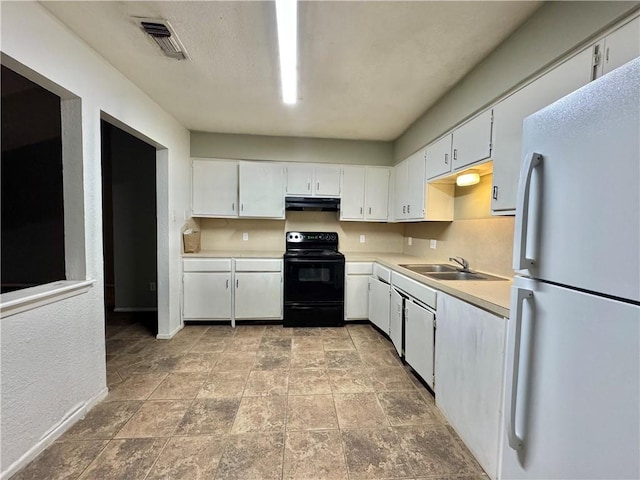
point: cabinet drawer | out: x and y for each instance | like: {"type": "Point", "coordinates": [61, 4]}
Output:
{"type": "Point", "coordinates": [383, 273]}
{"type": "Point", "coordinates": [359, 268]}
{"type": "Point", "coordinates": [258, 265]}
{"type": "Point", "coordinates": [417, 290]}
{"type": "Point", "coordinates": [206, 264]}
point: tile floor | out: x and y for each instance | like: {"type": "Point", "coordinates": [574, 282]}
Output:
{"type": "Point", "coordinates": [257, 402]}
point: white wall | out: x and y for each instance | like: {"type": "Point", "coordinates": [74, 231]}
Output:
{"type": "Point", "coordinates": [53, 357]}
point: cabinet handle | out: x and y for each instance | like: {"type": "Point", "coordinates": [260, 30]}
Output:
{"type": "Point", "coordinates": [369, 210]}
{"type": "Point", "coordinates": [318, 186]}
{"type": "Point", "coordinates": [455, 153]}
{"type": "Point", "coordinates": [236, 283]}
{"type": "Point", "coordinates": [606, 55]}
{"type": "Point", "coordinates": [242, 207]}
{"type": "Point", "coordinates": [408, 208]}
{"type": "Point", "coordinates": [515, 441]}
{"type": "Point", "coordinates": [233, 206]}
{"type": "Point", "coordinates": [520, 259]}
{"type": "Point", "coordinates": [446, 159]}
{"type": "Point", "coordinates": [227, 284]}
{"type": "Point", "coordinates": [495, 192]}
{"type": "Point", "coordinates": [404, 209]}
{"type": "Point", "coordinates": [308, 186]}
{"type": "Point", "coordinates": [360, 210]}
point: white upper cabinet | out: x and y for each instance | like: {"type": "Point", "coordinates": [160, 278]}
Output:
{"type": "Point", "coordinates": [365, 193]}
{"type": "Point", "coordinates": [509, 115]}
{"type": "Point", "coordinates": [261, 189]}
{"type": "Point", "coordinates": [472, 141]}
{"type": "Point", "coordinates": [414, 199]}
{"type": "Point", "coordinates": [353, 192]}
{"type": "Point", "coordinates": [439, 157]}
{"type": "Point", "coordinates": [299, 179]}
{"type": "Point", "coordinates": [214, 190]}
{"type": "Point", "coordinates": [619, 47]}
{"type": "Point", "coordinates": [377, 193]}
{"type": "Point", "coordinates": [307, 179]}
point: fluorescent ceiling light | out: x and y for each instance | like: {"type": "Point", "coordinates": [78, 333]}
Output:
{"type": "Point", "coordinates": [287, 20]}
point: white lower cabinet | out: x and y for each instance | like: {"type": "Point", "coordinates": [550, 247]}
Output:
{"type": "Point", "coordinates": [379, 303]}
{"type": "Point", "coordinates": [206, 289]}
{"type": "Point", "coordinates": [469, 368]}
{"type": "Point", "coordinates": [258, 295]}
{"type": "Point", "coordinates": [419, 340]}
{"type": "Point", "coordinates": [357, 290]}
{"type": "Point", "coordinates": [395, 320]}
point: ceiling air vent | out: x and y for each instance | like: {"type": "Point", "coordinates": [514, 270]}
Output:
{"type": "Point", "coordinates": [164, 35]}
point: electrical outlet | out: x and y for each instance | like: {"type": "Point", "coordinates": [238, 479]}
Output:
{"type": "Point", "coordinates": [152, 286]}
{"type": "Point", "coordinates": [362, 238]}
{"type": "Point", "coordinates": [409, 241]}
{"type": "Point", "coordinates": [432, 244]}
{"type": "Point", "coordinates": [245, 236]}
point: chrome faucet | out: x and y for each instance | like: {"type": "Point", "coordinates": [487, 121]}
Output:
{"type": "Point", "coordinates": [462, 262]}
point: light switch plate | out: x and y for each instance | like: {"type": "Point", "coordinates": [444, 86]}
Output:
{"type": "Point", "coordinates": [245, 236]}
{"type": "Point", "coordinates": [409, 241]}
{"type": "Point", "coordinates": [432, 244]}
{"type": "Point", "coordinates": [362, 238]}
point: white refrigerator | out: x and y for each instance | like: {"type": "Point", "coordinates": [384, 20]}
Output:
{"type": "Point", "coordinates": [572, 382]}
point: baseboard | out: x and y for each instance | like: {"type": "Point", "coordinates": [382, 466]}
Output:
{"type": "Point", "coordinates": [169, 336]}
{"type": "Point", "coordinates": [135, 309]}
{"type": "Point", "coordinates": [53, 434]}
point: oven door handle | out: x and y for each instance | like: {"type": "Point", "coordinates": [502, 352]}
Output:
{"type": "Point", "coordinates": [311, 260]}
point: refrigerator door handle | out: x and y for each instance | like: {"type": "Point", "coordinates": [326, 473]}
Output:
{"type": "Point", "coordinates": [520, 260]}
{"type": "Point", "coordinates": [515, 441]}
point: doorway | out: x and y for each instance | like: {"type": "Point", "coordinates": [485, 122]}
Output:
{"type": "Point", "coordinates": [129, 224]}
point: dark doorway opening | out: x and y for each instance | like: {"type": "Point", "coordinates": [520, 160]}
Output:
{"type": "Point", "coordinates": [129, 231]}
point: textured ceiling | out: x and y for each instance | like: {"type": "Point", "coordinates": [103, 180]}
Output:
{"type": "Point", "coordinates": [367, 70]}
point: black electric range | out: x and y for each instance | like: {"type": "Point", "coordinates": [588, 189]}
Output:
{"type": "Point", "coordinates": [313, 280]}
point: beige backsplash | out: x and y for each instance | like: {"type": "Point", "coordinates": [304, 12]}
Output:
{"type": "Point", "coordinates": [487, 243]}
{"type": "Point", "coordinates": [226, 234]}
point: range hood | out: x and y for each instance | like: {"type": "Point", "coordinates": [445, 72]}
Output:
{"type": "Point", "coordinates": [312, 204]}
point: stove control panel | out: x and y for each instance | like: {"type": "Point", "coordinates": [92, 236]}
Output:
{"type": "Point", "coordinates": [326, 238]}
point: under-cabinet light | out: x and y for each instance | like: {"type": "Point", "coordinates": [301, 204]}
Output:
{"type": "Point", "coordinates": [468, 178]}
{"type": "Point", "coordinates": [287, 22]}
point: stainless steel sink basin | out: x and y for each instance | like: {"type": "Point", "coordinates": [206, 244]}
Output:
{"type": "Point", "coordinates": [461, 276]}
{"type": "Point", "coordinates": [424, 268]}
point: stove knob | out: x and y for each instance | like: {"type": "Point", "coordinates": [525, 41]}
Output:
{"type": "Point", "coordinates": [334, 237]}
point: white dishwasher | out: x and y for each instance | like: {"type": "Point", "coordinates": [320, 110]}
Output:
{"type": "Point", "coordinates": [413, 323]}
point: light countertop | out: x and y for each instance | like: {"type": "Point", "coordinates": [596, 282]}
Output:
{"type": "Point", "coordinates": [493, 296]}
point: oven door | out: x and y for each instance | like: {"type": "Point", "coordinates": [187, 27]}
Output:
{"type": "Point", "coordinates": [313, 280]}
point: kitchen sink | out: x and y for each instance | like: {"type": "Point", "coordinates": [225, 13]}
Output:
{"type": "Point", "coordinates": [424, 268]}
{"type": "Point", "coordinates": [462, 276]}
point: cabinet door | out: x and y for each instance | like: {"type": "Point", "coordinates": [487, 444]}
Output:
{"type": "Point", "coordinates": [395, 320]}
{"type": "Point", "coordinates": [206, 295]}
{"type": "Point", "coordinates": [469, 369]}
{"type": "Point", "coordinates": [507, 123]}
{"type": "Point", "coordinates": [258, 295]}
{"type": "Point", "coordinates": [621, 46]}
{"type": "Point", "coordinates": [357, 297]}
{"type": "Point", "coordinates": [214, 188]}
{"type": "Point", "coordinates": [299, 179]}
{"type": "Point", "coordinates": [439, 157]}
{"type": "Point", "coordinates": [472, 141]}
{"type": "Point", "coordinates": [400, 173]}
{"type": "Point", "coordinates": [261, 190]}
{"type": "Point", "coordinates": [327, 181]}
{"type": "Point", "coordinates": [379, 304]}
{"type": "Point", "coordinates": [416, 186]}
{"type": "Point", "coordinates": [377, 193]}
{"type": "Point", "coordinates": [353, 193]}
{"type": "Point", "coordinates": [418, 342]}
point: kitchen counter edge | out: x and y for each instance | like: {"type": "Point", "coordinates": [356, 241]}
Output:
{"type": "Point", "coordinates": [493, 296]}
